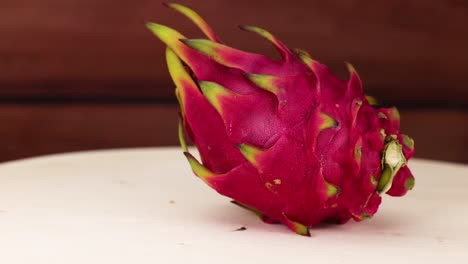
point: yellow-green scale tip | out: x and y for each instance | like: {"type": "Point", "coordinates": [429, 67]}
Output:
{"type": "Point", "coordinates": [198, 168]}
{"type": "Point", "coordinates": [214, 93]}
{"type": "Point", "coordinates": [181, 133]}
{"type": "Point", "coordinates": [250, 153]}
{"type": "Point", "coordinates": [195, 18]}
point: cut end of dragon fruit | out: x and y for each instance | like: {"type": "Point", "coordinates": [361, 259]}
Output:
{"type": "Point", "coordinates": [284, 138]}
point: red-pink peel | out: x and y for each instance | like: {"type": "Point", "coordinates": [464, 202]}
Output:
{"type": "Point", "coordinates": [284, 138]}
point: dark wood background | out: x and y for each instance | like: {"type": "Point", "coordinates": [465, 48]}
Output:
{"type": "Point", "coordinates": [86, 74]}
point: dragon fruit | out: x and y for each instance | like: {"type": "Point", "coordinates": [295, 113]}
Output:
{"type": "Point", "coordinates": [284, 138]}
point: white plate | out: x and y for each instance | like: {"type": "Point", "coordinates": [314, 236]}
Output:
{"type": "Point", "coordinates": [145, 206]}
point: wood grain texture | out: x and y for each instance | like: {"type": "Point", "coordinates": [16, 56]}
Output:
{"type": "Point", "coordinates": [30, 130]}
{"type": "Point", "coordinates": [407, 52]}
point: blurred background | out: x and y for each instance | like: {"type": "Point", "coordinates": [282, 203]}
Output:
{"type": "Point", "coordinates": [87, 74]}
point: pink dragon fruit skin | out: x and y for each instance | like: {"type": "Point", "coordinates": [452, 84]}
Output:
{"type": "Point", "coordinates": [284, 138]}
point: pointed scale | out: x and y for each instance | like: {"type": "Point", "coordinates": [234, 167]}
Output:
{"type": "Point", "coordinates": [296, 227]}
{"type": "Point", "coordinates": [209, 133]}
{"type": "Point", "coordinates": [199, 64]}
{"type": "Point", "coordinates": [328, 87]}
{"type": "Point", "coordinates": [244, 61]}
{"type": "Point", "coordinates": [372, 143]}
{"type": "Point", "coordinates": [262, 216]}
{"type": "Point", "coordinates": [361, 205]}
{"type": "Point", "coordinates": [389, 120]}
{"type": "Point", "coordinates": [364, 209]}
{"type": "Point", "coordinates": [282, 49]}
{"type": "Point", "coordinates": [402, 182]}
{"type": "Point", "coordinates": [370, 171]}
{"type": "Point", "coordinates": [243, 185]}
{"type": "Point", "coordinates": [282, 167]}
{"type": "Point", "coordinates": [256, 109]}
{"type": "Point", "coordinates": [196, 19]}
{"type": "Point", "coordinates": [408, 145]}
{"type": "Point", "coordinates": [254, 118]}
{"type": "Point", "coordinates": [295, 94]}
{"type": "Point", "coordinates": [314, 200]}
{"type": "Point", "coordinates": [171, 38]}
{"type": "Point", "coordinates": [354, 82]}
{"type": "Point", "coordinates": [181, 135]}
{"type": "Point", "coordinates": [327, 140]}
{"type": "Point", "coordinates": [202, 65]}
